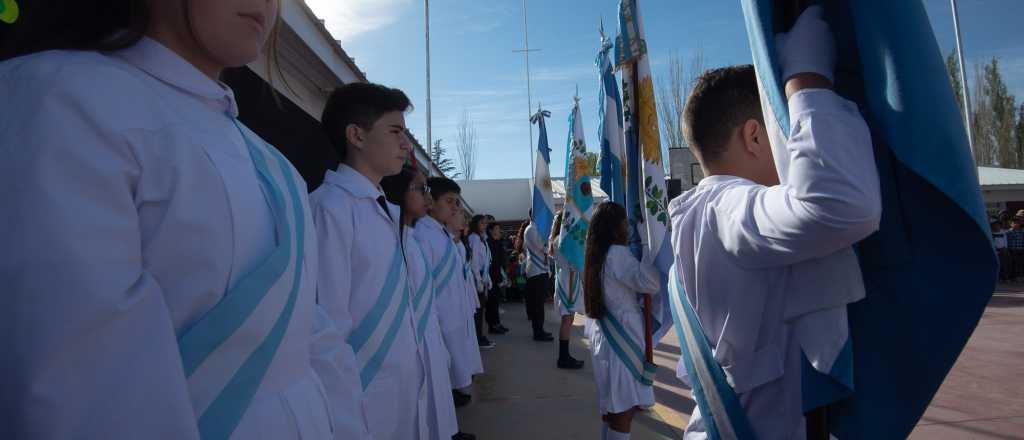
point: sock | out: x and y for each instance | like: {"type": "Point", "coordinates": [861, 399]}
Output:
{"type": "Point", "coordinates": [563, 349]}
{"type": "Point", "coordinates": [604, 431]}
{"type": "Point", "coordinates": [616, 435]}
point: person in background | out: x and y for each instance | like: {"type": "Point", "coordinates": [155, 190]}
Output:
{"type": "Point", "coordinates": [499, 278]}
{"type": "Point", "coordinates": [999, 241]}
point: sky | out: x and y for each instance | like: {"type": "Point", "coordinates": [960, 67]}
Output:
{"type": "Point", "coordinates": [475, 71]}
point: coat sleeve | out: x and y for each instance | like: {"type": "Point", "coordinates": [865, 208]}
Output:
{"type": "Point", "coordinates": [333, 358]}
{"type": "Point", "coordinates": [639, 276]}
{"type": "Point", "coordinates": [89, 347]}
{"type": "Point", "coordinates": [830, 201]}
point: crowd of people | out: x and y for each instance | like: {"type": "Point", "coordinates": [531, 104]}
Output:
{"type": "Point", "coordinates": [167, 275]}
{"type": "Point", "coordinates": [1008, 239]}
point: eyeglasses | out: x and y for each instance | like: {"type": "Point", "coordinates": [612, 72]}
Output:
{"type": "Point", "coordinates": [423, 189]}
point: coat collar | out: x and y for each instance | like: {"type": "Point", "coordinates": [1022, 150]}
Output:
{"type": "Point", "coordinates": [347, 178]}
{"type": "Point", "coordinates": [163, 64]}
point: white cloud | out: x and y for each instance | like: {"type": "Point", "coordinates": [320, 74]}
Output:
{"type": "Point", "coordinates": [347, 19]}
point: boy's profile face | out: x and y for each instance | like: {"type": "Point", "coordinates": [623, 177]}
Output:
{"type": "Point", "coordinates": [446, 207]}
{"type": "Point", "coordinates": [385, 146]}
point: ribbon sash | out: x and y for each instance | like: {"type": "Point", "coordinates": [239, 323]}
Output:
{"type": "Point", "coordinates": [628, 351]}
{"type": "Point", "coordinates": [372, 338]}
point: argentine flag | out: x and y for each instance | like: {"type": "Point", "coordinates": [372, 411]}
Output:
{"type": "Point", "coordinates": [572, 238]}
{"type": "Point", "coordinates": [924, 296]}
{"type": "Point", "coordinates": [609, 111]}
{"type": "Point", "coordinates": [543, 200]}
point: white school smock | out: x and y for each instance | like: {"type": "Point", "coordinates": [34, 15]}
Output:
{"type": "Point", "coordinates": [469, 279]}
{"type": "Point", "coordinates": [562, 275]}
{"type": "Point", "coordinates": [534, 252]}
{"type": "Point", "coordinates": [452, 303]}
{"type": "Point", "coordinates": [623, 280]}
{"type": "Point", "coordinates": [481, 261]}
{"type": "Point", "coordinates": [753, 260]}
{"type": "Point", "coordinates": [441, 409]}
{"type": "Point", "coordinates": [131, 206]}
{"type": "Point", "coordinates": [358, 245]}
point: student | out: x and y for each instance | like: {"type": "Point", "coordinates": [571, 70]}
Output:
{"type": "Point", "coordinates": [535, 257]}
{"type": "Point", "coordinates": [452, 300]}
{"type": "Point", "coordinates": [408, 189]}
{"type": "Point", "coordinates": [748, 249]}
{"type": "Point", "coordinates": [567, 304]}
{"type": "Point", "coordinates": [481, 266]}
{"type": "Point", "coordinates": [613, 281]}
{"type": "Point", "coordinates": [159, 258]}
{"type": "Point", "coordinates": [470, 279]}
{"type": "Point", "coordinates": [499, 278]}
{"type": "Point", "coordinates": [364, 282]}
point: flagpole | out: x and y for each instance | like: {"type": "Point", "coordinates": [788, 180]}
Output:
{"type": "Point", "coordinates": [426, 20]}
{"type": "Point", "coordinates": [963, 75]}
{"type": "Point", "coordinates": [529, 89]}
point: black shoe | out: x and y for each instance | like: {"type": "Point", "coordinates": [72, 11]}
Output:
{"type": "Point", "coordinates": [569, 363]}
{"type": "Point", "coordinates": [543, 336]}
{"type": "Point", "coordinates": [502, 328]}
{"type": "Point", "coordinates": [463, 436]}
{"type": "Point", "coordinates": [497, 330]}
{"type": "Point", "coordinates": [484, 343]}
{"type": "Point", "coordinates": [461, 399]}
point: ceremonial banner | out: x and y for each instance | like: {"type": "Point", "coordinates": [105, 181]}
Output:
{"type": "Point", "coordinates": [572, 237]}
{"type": "Point", "coordinates": [609, 110]}
{"type": "Point", "coordinates": [543, 200]}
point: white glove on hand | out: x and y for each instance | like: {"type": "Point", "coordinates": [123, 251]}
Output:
{"type": "Point", "coordinates": [808, 47]}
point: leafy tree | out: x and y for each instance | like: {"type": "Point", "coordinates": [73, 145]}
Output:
{"type": "Point", "coordinates": [445, 164]}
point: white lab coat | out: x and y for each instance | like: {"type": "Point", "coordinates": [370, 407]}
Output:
{"type": "Point", "coordinates": [536, 254]}
{"type": "Point", "coordinates": [470, 279]}
{"type": "Point", "coordinates": [131, 205]}
{"type": "Point", "coordinates": [562, 277]}
{"type": "Point", "coordinates": [755, 261]}
{"type": "Point", "coordinates": [454, 311]}
{"type": "Point", "coordinates": [441, 409]}
{"type": "Point", "coordinates": [358, 241]}
{"type": "Point", "coordinates": [481, 261]}
{"type": "Point", "coordinates": [623, 279]}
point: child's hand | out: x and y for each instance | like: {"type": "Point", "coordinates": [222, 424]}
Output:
{"type": "Point", "coordinates": [808, 47]}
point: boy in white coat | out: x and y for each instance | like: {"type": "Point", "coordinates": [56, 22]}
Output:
{"type": "Point", "coordinates": [746, 246]}
{"type": "Point", "coordinates": [364, 283]}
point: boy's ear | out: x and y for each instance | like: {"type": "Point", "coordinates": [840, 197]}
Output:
{"type": "Point", "coordinates": [354, 135]}
{"type": "Point", "coordinates": [755, 138]}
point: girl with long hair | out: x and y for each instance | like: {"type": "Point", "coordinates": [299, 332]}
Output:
{"type": "Point", "coordinates": [566, 281]}
{"type": "Point", "coordinates": [480, 262]}
{"type": "Point", "coordinates": [173, 246]}
{"type": "Point", "coordinates": [408, 189]}
{"type": "Point", "coordinates": [612, 283]}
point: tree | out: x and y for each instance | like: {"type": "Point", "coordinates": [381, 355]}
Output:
{"type": "Point", "coordinates": [465, 144]}
{"type": "Point", "coordinates": [981, 126]}
{"type": "Point", "coordinates": [445, 164]}
{"type": "Point", "coordinates": [1004, 116]}
{"type": "Point", "coordinates": [953, 68]}
{"type": "Point", "coordinates": [673, 90]}
{"type": "Point", "coordinates": [1019, 131]}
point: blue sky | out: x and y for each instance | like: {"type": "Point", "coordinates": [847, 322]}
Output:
{"type": "Point", "coordinates": [474, 68]}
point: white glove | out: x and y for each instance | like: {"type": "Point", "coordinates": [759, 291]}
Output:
{"type": "Point", "coordinates": [808, 47]}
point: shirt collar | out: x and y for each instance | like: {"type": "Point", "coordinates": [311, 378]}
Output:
{"type": "Point", "coordinates": [433, 223]}
{"type": "Point", "coordinates": [352, 181]}
{"type": "Point", "coordinates": [163, 64]}
{"type": "Point", "coordinates": [720, 178]}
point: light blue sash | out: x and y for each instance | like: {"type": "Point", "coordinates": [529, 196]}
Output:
{"type": "Point", "coordinates": [227, 352]}
{"type": "Point", "coordinates": [445, 268]}
{"type": "Point", "coordinates": [372, 338]}
{"type": "Point", "coordinates": [724, 418]}
{"type": "Point", "coordinates": [423, 299]}
{"type": "Point", "coordinates": [629, 351]}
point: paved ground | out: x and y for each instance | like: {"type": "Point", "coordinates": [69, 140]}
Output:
{"type": "Point", "coordinates": [523, 396]}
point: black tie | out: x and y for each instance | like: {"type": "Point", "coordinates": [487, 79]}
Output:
{"type": "Point", "coordinates": [384, 205]}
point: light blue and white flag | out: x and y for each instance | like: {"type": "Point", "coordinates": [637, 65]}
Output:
{"type": "Point", "coordinates": [543, 200]}
{"type": "Point", "coordinates": [609, 110]}
{"type": "Point", "coordinates": [646, 192]}
{"type": "Point", "coordinates": [579, 201]}
{"type": "Point", "coordinates": [923, 297]}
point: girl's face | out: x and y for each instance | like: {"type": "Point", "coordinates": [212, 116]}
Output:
{"type": "Point", "coordinates": [215, 34]}
{"type": "Point", "coordinates": [481, 227]}
{"type": "Point", "coordinates": [417, 200]}
{"type": "Point", "coordinates": [495, 233]}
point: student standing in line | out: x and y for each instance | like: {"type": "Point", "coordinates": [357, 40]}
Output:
{"type": "Point", "coordinates": [408, 189]}
{"type": "Point", "coordinates": [480, 264]}
{"type": "Point", "coordinates": [499, 277]}
{"type": "Point", "coordinates": [159, 260]}
{"type": "Point", "coordinates": [364, 278]}
{"type": "Point", "coordinates": [613, 281]}
{"type": "Point", "coordinates": [452, 303]}
{"type": "Point", "coordinates": [536, 268]}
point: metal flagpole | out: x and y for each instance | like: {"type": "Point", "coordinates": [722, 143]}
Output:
{"type": "Point", "coordinates": [529, 90]}
{"type": "Point", "coordinates": [963, 75]}
{"type": "Point", "coordinates": [426, 19]}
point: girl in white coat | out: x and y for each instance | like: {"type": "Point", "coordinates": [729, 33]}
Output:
{"type": "Point", "coordinates": [409, 190]}
{"type": "Point", "coordinates": [159, 259]}
{"type": "Point", "coordinates": [567, 293]}
{"type": "Point", "coordinates": [613, 281]}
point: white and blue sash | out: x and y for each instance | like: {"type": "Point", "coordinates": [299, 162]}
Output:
{"type": "Point", "coordinates": [724, 418]}
{"type": "Point", "coordinates": [372, 338]}
{"type": "Point", "coordinates": [628, 350]}
{"type": "Point", "coordinates": [570, 295]}
{"type": "Point", "coordinates": [423, 299]}
{"type": "Point", "coordinates": [445, 268]}
{"type": "Point", "coordinates": [227, 352]}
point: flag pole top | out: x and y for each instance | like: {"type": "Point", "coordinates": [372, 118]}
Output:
{"type": "Point", "coordinates": [576, 97]}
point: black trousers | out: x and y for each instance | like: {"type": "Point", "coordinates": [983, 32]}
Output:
{"type": "Point", "coordinates": [491, 308]}
{"type": "Point", "coordinates": [536, 292]}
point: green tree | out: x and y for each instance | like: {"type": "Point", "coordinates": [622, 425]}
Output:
{"type": "Point", "coordinates": [1004, 116]}
{"type": "Point", "coordinates": [953, 68]}
{"type": "Point", "coordinates": [445, 164]}
{"type": "Point", "coordinates": [1019, 131]}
